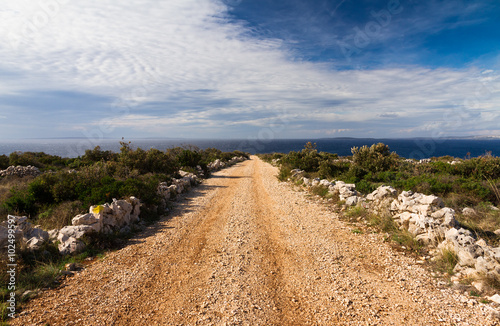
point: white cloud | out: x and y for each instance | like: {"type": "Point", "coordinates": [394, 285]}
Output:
{"type": "Point", "coordinates": [142, 52]}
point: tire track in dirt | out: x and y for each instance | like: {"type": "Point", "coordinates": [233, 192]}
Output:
{"type": "Point", "coordinates": [292, 308]}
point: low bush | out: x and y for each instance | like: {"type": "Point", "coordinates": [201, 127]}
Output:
{"type": "Point", "coordinates": [4, 162]}
{"type": "Point", "coordinates": [38, 159]}
{"type": "Point", "coordinates": [356, 213]}
{"type": "Point", "coordinates": [284, 172]}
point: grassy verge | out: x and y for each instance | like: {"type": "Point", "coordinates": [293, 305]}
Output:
{"type": "Point", "coordinates": [446, 261]}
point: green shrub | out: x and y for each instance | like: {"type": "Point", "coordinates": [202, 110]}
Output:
{"type": "Point", "coordinates": [150, 161]}
{"type": "Point", "coordinates": [284, 172]}
{"type": "Point", "coordinates": [365, 187]}
{"type": "Point", "coordinates": [375, 158]}
{"type": "Point", "coordinates": [20, 201]}
{"type": "Point", "coordinates": [4, 162]}
{"type": "Point", "coordinates": [189, 158]}
{"type": "Point", "coordinates": [38, 159]}
{"type": "Point", "coordinates": [96, 155]}
{"type": "Point", "coordinates": [356, 212]}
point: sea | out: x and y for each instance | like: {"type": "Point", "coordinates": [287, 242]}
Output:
{"type": "Point", "coordinates": [418, 148]}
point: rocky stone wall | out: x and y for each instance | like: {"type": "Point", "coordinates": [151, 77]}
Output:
{"type": "Point", "coordinates": [218, 164]}
{"type": "Point", "coordinates": [427, 219]}
{"type": "Point", "coordinates": [20, 171]}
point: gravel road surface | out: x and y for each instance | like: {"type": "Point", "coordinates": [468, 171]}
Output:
{"type": "Point", "coordinates": [245, 249]}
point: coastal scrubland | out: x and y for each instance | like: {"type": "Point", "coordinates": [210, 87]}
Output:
{"type": "Point", "coordinates": [460, 182]}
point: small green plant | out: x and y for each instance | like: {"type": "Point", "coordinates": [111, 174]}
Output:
{"type": "Point", "coordinates": [446, 261]}
{"type": "Point", "coordinates": [356, 212]}
{"type": "Point", "coordinates": [384, 223]}
{"type": "Point", "coordinates": [474, 294]}
{"type": "Point", "coordinates": [321, 191]}
{"type": "Point", "coordinates": [284, 173]}
{"type": "Point", "coordinates": [357, 231]}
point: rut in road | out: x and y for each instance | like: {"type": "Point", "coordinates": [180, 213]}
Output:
{"type": "Point", "coordinates": [244, 249]}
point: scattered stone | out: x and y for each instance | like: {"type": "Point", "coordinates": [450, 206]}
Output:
{"type": "Point", "coordinates": [218, 164]}
{"type": "Point", "coordinates": [495, 298]}
{"type": "Point", "coordinates": [297, 173]}
{"type": "Point", "coordinates": [28, 295]}
{"type": "Point", "coordinates": [478, 285]}
{"type": "Point", "coordinates": [345, 190]}
{"type": "Point", "coordinates": [426, 218]}
{"type": "Point", "coordinates": [467, 211]}
{"type": "Point", "coordinates": [29, 236]}
{"type": "Point", "coordinates": [71, 267]}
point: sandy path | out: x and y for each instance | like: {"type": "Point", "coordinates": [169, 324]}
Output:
{"type": "Point", "coordinates": [244, 249]}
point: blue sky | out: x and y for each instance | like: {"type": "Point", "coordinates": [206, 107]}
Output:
{"type": "Point", "coordinates": [249, 68]}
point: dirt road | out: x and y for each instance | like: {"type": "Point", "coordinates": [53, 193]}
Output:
{"type": "Point", "coordinates": [244, 249]}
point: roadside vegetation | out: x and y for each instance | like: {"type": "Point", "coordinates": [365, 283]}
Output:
{"type": "Point", "coordinates": [472, 182]}
{"type": "Point", "coordinates": [69, 186]}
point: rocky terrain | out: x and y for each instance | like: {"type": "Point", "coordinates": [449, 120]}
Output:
{"type": "Point", "coordinates": [245, 249]}
{"type": "Point", "coordinates": [20, 171]}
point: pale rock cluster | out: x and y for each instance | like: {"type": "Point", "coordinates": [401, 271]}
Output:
{"type": "Point", "coordinates": [107, 218]}
{"type": "Point", "coordinates": [426, 218]}
{"type": "Point", "coordinates": [30, 237]}
{"type": "Point", "coordinates": [475, 257]}
{"type": "Point", "coordinates": [346, 191]}
{"type": "Point", "coordinates": [200, 171]}
{"type": "Point", "coordinates": [177, 186]}
{"type": "Point", "coordinates": [218, 164]}
{"type": "Point", "coordinates": [20, 171]}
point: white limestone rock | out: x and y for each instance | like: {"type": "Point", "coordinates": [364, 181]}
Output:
{"type": "Point", "coordinates": [467, 211]}
{"type": "Point", "coordinates": [381, 193]}
{"type": "Point", "coordinates": [84, 219]}
{"type": "Point", "coordinates": [352, 201]}
{"type": "Point", "coordinates": [71, 245]}
{"type": "Point", "coordinates": [325, 183]}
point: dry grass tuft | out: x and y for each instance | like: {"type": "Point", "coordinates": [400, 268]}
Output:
{"type": "Point", "coordinates": [60, 216]}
